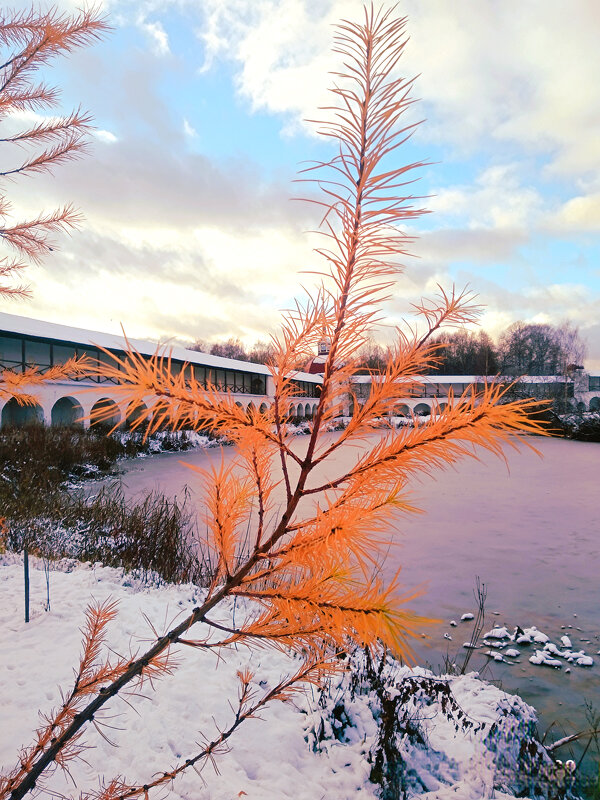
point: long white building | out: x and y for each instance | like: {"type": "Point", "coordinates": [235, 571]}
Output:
{"type": "Point", "coordinates": [30, 342]}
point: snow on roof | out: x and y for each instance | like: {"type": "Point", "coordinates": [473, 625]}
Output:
{"type": "Point", "coordinates": [26, 326]}
{"type": "Point", "coordinates": [426, 379]}
{"type": "Point", "coordinates": [447, 379]}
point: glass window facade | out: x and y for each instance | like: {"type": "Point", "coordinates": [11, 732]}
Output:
{"type": "Point", "coordinates": [19, 351]}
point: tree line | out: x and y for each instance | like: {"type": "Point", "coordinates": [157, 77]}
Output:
{"type": "Point", "coordinates": [524, 348]}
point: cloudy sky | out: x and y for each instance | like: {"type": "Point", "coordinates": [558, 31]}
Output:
{"type": "Point", "coordinates": [190, 228]}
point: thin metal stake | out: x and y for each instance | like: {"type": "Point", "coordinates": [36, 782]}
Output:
{"type": "Point", "coordinates": [26, 577]}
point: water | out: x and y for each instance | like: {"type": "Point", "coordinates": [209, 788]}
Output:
{"type": "Point", "coordinates": [531, 532]}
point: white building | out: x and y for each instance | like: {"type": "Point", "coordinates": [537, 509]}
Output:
{"type": "Point", "coordinates": [29, 342]}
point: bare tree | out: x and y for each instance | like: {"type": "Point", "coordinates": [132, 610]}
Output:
{"type": "Point", "coordinates": [539, 349]}
{"type": "Point", "coordinates": [466, 353]}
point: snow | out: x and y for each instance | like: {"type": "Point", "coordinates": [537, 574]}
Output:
{"type": "Point", "coordinates": [497, 633]}
{"type": "Point", "coordinates": [270, 757]}
{"type": "Point", "coordinates": [467, 617]}
{"type": "Point", "coordinates": [543, 657]}
{"type": "Point", "coordinates": [535, 635]}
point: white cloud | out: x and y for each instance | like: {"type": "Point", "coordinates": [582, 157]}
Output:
{"type": "Point", "coordinates": [105, 136]}
{"type": "Point", "coordinates": [158, 37]}
{"type": "Point", "coordinates": [580, 213]}
{"type": "Point", "coordinates": [495, 200]}
{"type": "Point", "coordinates": [526, 77]}
{"type": "Point", "coordinates": [189, 129]}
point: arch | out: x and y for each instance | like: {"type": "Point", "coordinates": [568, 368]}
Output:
{"type": "Point", "coordinates": [105, 412]}
{"type": "Point", "coordinates": [595, 404]}
{"type": "Point", "coordinates": [402, 410]}
{"type": "Point", "coordinates": [422, 409]}
{"type": "Point", "coordinates": [67, 411]}
{"type": "Point", "coordinates": [310, 410]}
{"type": "Point", "coordinates": [292, 413]}
{"type": "Point", "coordinates": [442, 407]}
{"type": "Point", "coordinates": [18, 415]}
{"type": "Point", "coordinates": [134, 412]}
{"type": "Point", "coordinates": [250, 409]}
{"type": "Point", "coordinates": [263, 408]}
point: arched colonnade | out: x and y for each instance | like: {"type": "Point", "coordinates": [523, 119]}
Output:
{"type": "Point", "coordinates": [77, 408]}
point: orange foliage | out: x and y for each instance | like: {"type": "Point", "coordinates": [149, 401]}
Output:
{"type": "Point", "coordinates": [310, 570]}
{"type": "Point", "coordinates": [29, 40]}
{"type": "Point", "coordinates": [310, 566]}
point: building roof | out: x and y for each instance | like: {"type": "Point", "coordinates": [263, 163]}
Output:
{"type": "Point", "coordinates": [26, 326]}
{"type": "Point", "coordinates": [446, 379]}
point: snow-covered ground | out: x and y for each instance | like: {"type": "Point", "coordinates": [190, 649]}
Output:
{"type": "Point", "coordinates": [298, 749]}
{"type": "Point", "coordinates": [167, 441]}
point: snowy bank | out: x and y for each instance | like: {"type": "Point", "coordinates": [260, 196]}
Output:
{"type": "Point", "coordinates": [458, 737]}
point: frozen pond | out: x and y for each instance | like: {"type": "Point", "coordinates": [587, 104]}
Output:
{"type": "Point", "coordinates": [532, 535]}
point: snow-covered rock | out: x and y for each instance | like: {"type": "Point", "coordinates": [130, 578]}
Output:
{"type": "Point", "coordinates": [543, 657]}
{"type": "Point", "coordinates": [497, 632]}
{"type": "Point", "coordinates": [535, 635]}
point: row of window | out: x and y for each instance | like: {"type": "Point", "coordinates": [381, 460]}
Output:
{"type": "Point", "coordinates": [442, 389]}
{"type": "Point", "coordinates": [307, 388]}
{"type": "Point", "coordinates": [18, 352]}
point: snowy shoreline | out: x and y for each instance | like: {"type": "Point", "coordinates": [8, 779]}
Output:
{"type": "Point", "coordinates": [279, 756]}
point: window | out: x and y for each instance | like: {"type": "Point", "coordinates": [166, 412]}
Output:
{"type": "Point", "coordinates": [176, 368]}
{"type": "Point", "coordinates": [61, 353]}
{"type": "Point", "coordinates": [37, 354]}
{"type": "Point", "coordinates": [103, 358]}
{"type": "Point", "coordinates": [91, 355]}
{"type": "Point", "coordinates": [200, 375]}
{"type": "Point", "coordinates": [11, 352]}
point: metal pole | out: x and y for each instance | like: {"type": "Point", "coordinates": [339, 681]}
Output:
{"type": "Point", "coordinates": [26, 577]}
